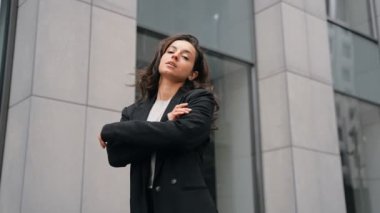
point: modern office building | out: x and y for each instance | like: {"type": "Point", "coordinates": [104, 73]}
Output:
{"type": "Point", "coordinates": [298, 82]}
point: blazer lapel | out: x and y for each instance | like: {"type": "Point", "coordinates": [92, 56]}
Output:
{"type": "Point", "coordinates": [177, 99]}
{"type": "Point", "coordinates": [143, 110]}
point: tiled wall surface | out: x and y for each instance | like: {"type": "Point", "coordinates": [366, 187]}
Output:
{"type": "Point", "coordinates": [301, 162]}
{"type": "Point", "coordinates": [72, 67]}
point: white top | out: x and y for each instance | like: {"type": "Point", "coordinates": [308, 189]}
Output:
{"type": "Point", "coordinates": [155, 114]}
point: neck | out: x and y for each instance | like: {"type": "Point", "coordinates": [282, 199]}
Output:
{"type": "Point", "coordinates": [167, 89]}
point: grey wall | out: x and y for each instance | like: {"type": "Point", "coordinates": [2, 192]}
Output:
{"type": "Point", "coordinates": [301, 162]}
{"type": "Point", "coordinates": [71, 66]}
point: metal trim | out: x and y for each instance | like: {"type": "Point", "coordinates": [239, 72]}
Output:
{"type": "Point", "coordinates": [10, 28]}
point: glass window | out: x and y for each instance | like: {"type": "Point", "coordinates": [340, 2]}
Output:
{"type": "Point", "coordinates": [359, 133]}
{"type": "Point", "coordinates": [228, 163]}
{"type": "Point", "coordinates": [3, 36]}
{"type": "Point", "coordinates": [8, 10]}
{"type": "Point", "coordinates": [2, 41]}
{"type": "Point", "coordinates": [355, 64]}
{"type": "Point", "coordinates": [224, 26]}
{"type": "Point", "coordinates": [233, 139]}
{"type": "Point", "coordinates": [354, 14]}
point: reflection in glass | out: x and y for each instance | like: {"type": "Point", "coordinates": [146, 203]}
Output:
{"type": "Point", "coordinates": [355, 64]}
{"type": "Point", "coordinates": [224, 26]}
{"type": "Point", "coordinates": [354, 14]}
{"type": "Point", "coordinates": [233, 157]}
{"type": "Point", "coordinates": [228, 161]}
{"type": "Point", "coordinates": [359, 139]}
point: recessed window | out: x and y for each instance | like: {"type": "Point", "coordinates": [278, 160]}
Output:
{"type": "Point", "coordinates": [8, 10]}
{"type": "Point", "coordinates": [359, 74]}
{"type": "Point", "coordinates": [227, 164]}
{"type": "Point", "coordinates": [358, 130]}
{"type": "Point", "coordinates": [353, 14]}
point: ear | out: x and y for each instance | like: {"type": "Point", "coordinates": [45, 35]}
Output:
{"type": "Point", "coordinates": [193, 75]}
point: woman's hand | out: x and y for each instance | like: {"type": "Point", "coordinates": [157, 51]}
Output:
{"type": "Point", "coordinates": [179, 110]}
{"type": "Point", "coordinates": [102, 143]}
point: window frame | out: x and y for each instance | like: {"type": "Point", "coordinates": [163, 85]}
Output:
{"type": "Point", "coordinates": [374, 30]}
{"type": "Point", "coordinates": [363, 101]}
{"type": "Point", "coordinates": [8, 14]}
{"type": "Point", "coordinates": [257, 167]}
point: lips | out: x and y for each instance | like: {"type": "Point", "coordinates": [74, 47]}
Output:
{"type": "Point", "coordinates": [171, 63]}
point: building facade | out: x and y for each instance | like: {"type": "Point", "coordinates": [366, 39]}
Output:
{"type": "Point", "coordinates": [297, 81]}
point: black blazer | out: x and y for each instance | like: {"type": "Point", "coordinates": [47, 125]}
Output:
{"type": "Point", "coordinates": [179, 186]}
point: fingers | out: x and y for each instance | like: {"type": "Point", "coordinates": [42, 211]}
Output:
{"type": "Point", "coordinates": [101, 142]}
{"type": "Point", "coordinates": [179, 113]}
{"type": "Point", "coordinates": [179, 110]}
{"type": "Point", "coordinates": [181, 105]}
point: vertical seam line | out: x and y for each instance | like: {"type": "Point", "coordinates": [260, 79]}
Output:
{"type": "Point", "coordinates": [86, 109]}
{"type": "Point", "coordinates": [291, 144]}
{"type": "Point", "coordinates": [30, 105]}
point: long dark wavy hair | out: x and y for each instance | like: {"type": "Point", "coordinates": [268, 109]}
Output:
{"type": "Point", "coordinates": [148, 79]}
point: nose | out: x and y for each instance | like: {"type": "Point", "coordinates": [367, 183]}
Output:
{"type": "Point", "coordinates": [175, 56]}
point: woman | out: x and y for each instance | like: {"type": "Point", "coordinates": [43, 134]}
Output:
{"type": "Point", "coordinates": [163, 134]}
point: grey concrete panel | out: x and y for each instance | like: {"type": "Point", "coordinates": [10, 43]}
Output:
{"type": "Point", "coordinates": [264, 4]}
{"type": "Point", "coordinates": [12, 175]}
{"type": "Point", "coordinates": [54, 162]}
{"type": "Point", "coordinates": [319, 54]}
{"type": "Point", "coordinates": [274, 106]}
{"type": "Point", "coordinates": [20, 2]}
{"type": "Point", "coordinates": [295, 40]}
{"type": "Point", "coordinates": [62, 50]}
{"type": "Point", "coordinates": [312, 114]}
{"type": "Point", "coordinates": [279, 181]}
{"type": "Point", "coordinates": [300, 4]}
{"type": "Point", "coordinates": [23, 62]}
{"type": "Point", "coordinates": [86, 1]}
{"type": "Point", "coordinates": [316, 8]}
{"type": "Point", "coordinates": [319, 182]}
{"type": "Point", "coordinates": [105, 189]}
{"type": "Point", "coordinates": [125, 7]}
{"type": "Point", "coordinates": [270, 43]}
{"type": "Point", "coordinates": [112, 60]}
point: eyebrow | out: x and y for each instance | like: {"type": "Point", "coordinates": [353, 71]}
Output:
{"type": "Point", "coordinates": [185, 50]}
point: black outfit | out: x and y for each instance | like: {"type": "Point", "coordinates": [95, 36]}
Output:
{"type": "Point", "coordinates": [178, 186]}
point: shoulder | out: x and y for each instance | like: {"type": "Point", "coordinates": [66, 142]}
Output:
{"type": "Point", "coordinates": [200, 97]}
{"type": "Point", "coordinates": [129, 108]}
{"type": "Point", "coordinates": [198, 93]}
{"type": "Point", "coordinates": [128, 111]}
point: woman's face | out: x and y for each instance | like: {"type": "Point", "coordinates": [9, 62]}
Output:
{"type": "Point", "coordinates": [177, 62]}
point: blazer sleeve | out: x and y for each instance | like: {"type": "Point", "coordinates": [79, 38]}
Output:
{"type": "Point", "coordinates": [186, 133]}
{"type": "Point", "coordinates": [122, 154]}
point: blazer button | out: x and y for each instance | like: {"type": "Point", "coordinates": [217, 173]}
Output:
{"type": "Point", "coordinates": [173, 181]}
{"type": "Point", "coordinates": [158, 188]}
